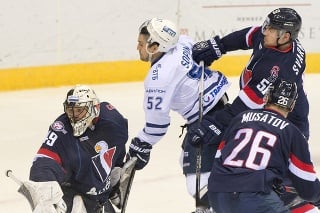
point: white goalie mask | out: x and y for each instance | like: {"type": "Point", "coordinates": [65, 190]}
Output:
{"type": "Point", "coordinates": [81, 107]}
{"type": "Point", "coordinates": [163, 32]}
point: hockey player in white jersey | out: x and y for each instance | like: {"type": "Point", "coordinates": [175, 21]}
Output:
{"type": "Point", "coordinates": [172, 83]}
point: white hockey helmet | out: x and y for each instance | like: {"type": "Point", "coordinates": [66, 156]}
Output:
{"type": "Point", "coordinates": [162, 31]}
{"type": "Point", "coordinates": [81, 106]}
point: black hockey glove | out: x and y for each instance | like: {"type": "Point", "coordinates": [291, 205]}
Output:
{"type": "Point", "coordinates": [208, 51]}
{"type": "Point", "coordinates": [141, 150]}
{"type": "Point", "coordinates": [278, 187]}
{"type": "Point", "coordinates": [204, 132]}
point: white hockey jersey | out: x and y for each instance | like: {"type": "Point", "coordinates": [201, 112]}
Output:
{"type": "Point", "coordinates": [172, 84]}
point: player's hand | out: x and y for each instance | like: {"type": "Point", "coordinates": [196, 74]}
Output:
{"type": "Point", "coordinates": [203, 133]}
{"type": "Point", "coordinates": [278, 187]}
{"type": "Point", "coordinates": [208, 51]}
{"type": "Point", "coordinates": [141, 150]}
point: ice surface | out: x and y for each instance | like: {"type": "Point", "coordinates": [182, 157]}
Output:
{"type": "Point", "coordinates": [160, 187]}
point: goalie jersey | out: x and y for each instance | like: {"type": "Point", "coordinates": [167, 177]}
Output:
{"type": "Point", "coordinates": [259, 147]}
{"type": "Point", "coordinates": [85, 162]}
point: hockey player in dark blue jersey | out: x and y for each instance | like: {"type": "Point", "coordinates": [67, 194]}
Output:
{"type": "Point", "coordinates": [276, 53]}
{"type": "Point", "coordinates": [258, 150]}
{"type": "Point", "coordinates": [80, 159]}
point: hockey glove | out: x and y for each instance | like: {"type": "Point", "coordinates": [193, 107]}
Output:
{"type": "Point", "coordinates": [141, 150]}
{"type": "Point", "coordinates": [278, 187]}
{"type": "Point", "coordinates": [204, 132]}
{"type": "Point", "coordinates": [208, 51]}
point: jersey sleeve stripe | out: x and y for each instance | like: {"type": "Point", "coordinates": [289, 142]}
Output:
{"type": "Point", "coordinates": [49, 154]}
{"type": "Point", "coordinates": [157, 125]}
{"type": "Point", "coordinates": [250, 35]}
{"type": "Point", "coordinates": [301, 165]}
{"type": "Point", "coordinates": [248, 96]}
{"type": "Point", "coordinates": [221, 145]}
{"type": "Point", "coordinates": [154, 134]}
{"type": "Point", "coordinates": [301, 172]}
{"type": "Point", "coordinates": [308, 208]}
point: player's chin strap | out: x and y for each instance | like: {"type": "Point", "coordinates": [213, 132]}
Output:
{"type": "Point", "coordinates": [279, 45]}
{"type": "Point", "coordinates": [281, 32]}
{"type": "Point", "coordinates": [150, 54]}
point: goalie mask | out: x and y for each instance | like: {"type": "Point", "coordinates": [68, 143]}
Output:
{"type": "Point", "coordinates": [81, 107]}
{"type": "Point", "coordinates": [283, 93]}
{"type": "Point", "coordinates": [284, 19]}
{"type": "Point", "coordinates": [161, 31]}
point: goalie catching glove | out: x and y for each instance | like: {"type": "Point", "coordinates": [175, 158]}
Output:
{"type": "Point", "coordinates": [45, 197]}
{"type": "Point", "coordinates": [141, 150]}
{"type": "Point", "coordinates": [208, 51]}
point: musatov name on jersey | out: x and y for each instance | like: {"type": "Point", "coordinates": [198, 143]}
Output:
{"type": "Point", "coordinates": [266, 118]}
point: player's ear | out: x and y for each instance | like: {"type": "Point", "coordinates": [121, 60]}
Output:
{"type": "Point", "coordinates": [287, 36]}
{"type": "Point", "coordinates": [153, 48]}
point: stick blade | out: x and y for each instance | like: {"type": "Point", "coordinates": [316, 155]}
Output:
{"type": "Point", "coordinates": [26, 193]}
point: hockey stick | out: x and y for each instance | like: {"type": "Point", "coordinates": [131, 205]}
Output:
{"type": "Point", "coordinates": [22, 188]}
{"type": "Point", "coordinates": [126, 196]}
{"type": "Point", "coordinates": [129, 184]}
{"type": "Point", "coordinates": [199, 148]}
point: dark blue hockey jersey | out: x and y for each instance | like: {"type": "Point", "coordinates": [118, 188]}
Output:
{"type": "Point", "coordinates": [83, 162]}
{"type": "Point", "coordinates": [263, 68]}
{"type": "Point", "coordinates": [261, 146]}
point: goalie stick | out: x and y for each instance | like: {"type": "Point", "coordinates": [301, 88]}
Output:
{"type": "Point", "coordinates": [199, 149]}
{"type": "Point", "coordinates": [22, 188]}
{"type": "Point", "coordinates": [127, 178]}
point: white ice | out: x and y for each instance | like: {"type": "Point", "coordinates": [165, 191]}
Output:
{"type": "Point", "coordinates": [26, 115]}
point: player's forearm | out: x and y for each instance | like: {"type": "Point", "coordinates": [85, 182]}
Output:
{"type": "Point", "coordinates": [46, 170]}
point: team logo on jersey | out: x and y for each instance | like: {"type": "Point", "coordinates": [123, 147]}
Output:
{"type": "Point", "coordinates": [58, 126]}
{"type": "Point", "coordinates": [274, 73]}
{"type": "Point", "coordinates": [109, 107]}
{"type": "Point", "coordinates": [103, 160]}
{"type": "Point", "coordinates": [100, 146]}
